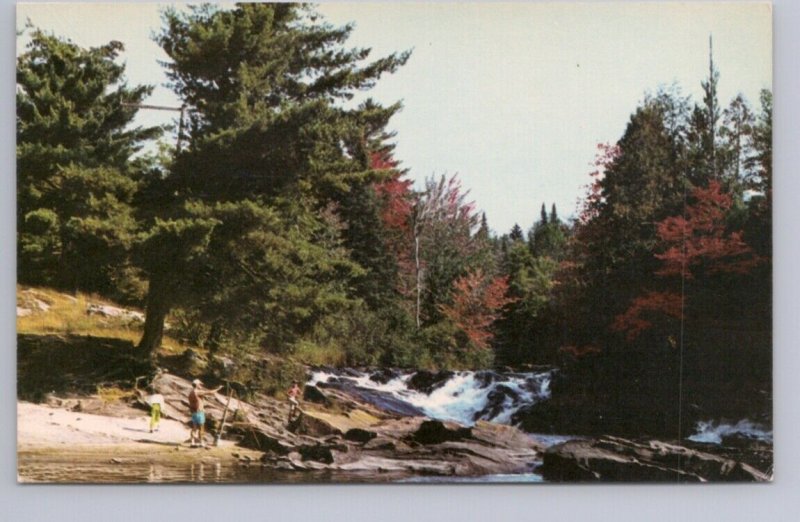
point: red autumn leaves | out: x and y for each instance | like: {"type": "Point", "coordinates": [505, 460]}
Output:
{"type": "Point", "coordinates": [696, 244]}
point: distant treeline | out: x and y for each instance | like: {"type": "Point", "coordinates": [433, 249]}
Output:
{"type": "Point", "coordinates": [279, 220]}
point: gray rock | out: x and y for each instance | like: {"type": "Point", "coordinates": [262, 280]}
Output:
{"type": "Point", "coordinates": [617, 459]}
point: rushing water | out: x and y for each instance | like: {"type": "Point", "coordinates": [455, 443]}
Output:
{"type": "Point", "coordinates": [713, 432]}
{"type": "Point", "coordinates": [468, 396]}
{"type": "Point", "coordinates": [465, 397]}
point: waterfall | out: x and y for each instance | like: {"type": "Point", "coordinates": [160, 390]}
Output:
{"type": "Point", "coordinates": [464, 397]}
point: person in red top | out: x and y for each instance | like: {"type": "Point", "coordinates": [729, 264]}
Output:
{"type": "Point", "coordinates": [197, 409]}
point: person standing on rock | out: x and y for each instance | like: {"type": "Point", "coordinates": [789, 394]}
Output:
{"type": "Point", "coordinates": [156, 402]}
{"type": "Point", "coordinates": [294, 399]}
{"type": "Point", "coordinates": [197, 408]}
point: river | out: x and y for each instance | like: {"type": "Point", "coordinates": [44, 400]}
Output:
{"type": "Point", "coordinates": [464, 397]}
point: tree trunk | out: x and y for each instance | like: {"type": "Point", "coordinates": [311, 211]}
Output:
{"type": "Point", "coordinates": [419, 275]}
{"type": "Point", "coordinates": [158, 306]}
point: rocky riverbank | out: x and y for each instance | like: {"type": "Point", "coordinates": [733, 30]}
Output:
{"type": "Point", "coordinates": [337, 437]}
{"type": "Point", "coordinates": [336, 434]}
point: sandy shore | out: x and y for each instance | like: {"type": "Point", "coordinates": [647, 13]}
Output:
{"type": "Point", "coordinates": [59, 445]}
{"type": "Point", "coordinates": [44, 430]}
{"type": "Point", "coordinates": [39, 425]}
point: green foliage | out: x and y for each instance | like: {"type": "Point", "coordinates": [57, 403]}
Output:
{"type": "Point", "coordinates": [281, 168]}
{"type": "Point", "coordinates": [75, 169]}
{"type": "Point", "coordinates": [547, 237]}
{"type": "Point", "coordinates": [39, 246]}
{"type": "Point", "coordinates": [262, 82]}
{"type": "Point", "coordinates": [281, 234]}
{"type": "Point", "coordinates": [524, 329]}
{"type": "Point", "coordinates": [444, 345]}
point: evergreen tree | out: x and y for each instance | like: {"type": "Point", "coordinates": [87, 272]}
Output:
{"type": "Point", "coordinates": [704, 162]}
{"type": "Point", "coordinates": [516, 233]}
{"type": "Point", "coordinates": [736, 137]}
{"type": "Point", "coordinates": [263, 84]}
{"type": "Point", "coordinates": [77, 175]}
{"type": "Point", "coordinates": [642, 183]}
{"type": "Point", "coordinates": [546, 238]}
{"type": "Point", "coordinates": [483, 231]}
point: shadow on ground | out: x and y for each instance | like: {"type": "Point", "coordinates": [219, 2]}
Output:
{"type": "Point", "coordinates": [67, 364]}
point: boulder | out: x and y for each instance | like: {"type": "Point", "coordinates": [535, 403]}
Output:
{"type": "Point", "coordinates": [258, 440]}
{"type": "Point", "coordinates": [359, 435]}
{"type": "Point", "coordinates": [310, 423]}
{"type": "Point", "coordinates": [425, 381]}
{"type": "Point", "coordinates": [316, 453]}
{"type": "Point", "coordinates": [495, 402]}
{"type": "Point", "coordinates": [486, 377]}
{"type": "Point", "coordinates": [384, 375]}
{"type": "Point", "coordinates": [315, 395]}
{"type": "Point", "coordinates": [384, 444]}
{"type": "Point", "coordinates": [113, 311]}
{"type": "Point", "coordinates": [437, 432]}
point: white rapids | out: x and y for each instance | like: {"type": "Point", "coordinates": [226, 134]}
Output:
{"type": "Point", "coordinates": [465, 397]}
{"type": "Point", "coordinates": [712, 432]}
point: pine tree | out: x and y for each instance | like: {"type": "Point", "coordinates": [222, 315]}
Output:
{"type": "Point", "coordinates": [516, 233]}
{"type": "Point", "coordinates": [264, 86]}
{"type": "Point", "coordinates": [704, 162]}
{"type": "Point", "coordinates": [77, 175]}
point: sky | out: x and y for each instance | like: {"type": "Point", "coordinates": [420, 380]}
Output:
{"type": "Point", "coordinates": [512, 97]}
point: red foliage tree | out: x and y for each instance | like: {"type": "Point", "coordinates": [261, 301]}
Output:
{"type": "Point", "coordinates": [635, 319]}
{"type": "Point", "coordinates": [478, 302]}
{"type": "Point", "coordinates": [589, 205]}
{"type": "Point", "coordinates": [397, 203]}
{"type": "Point", "coordinates": [699, 242]}
{"type": "Point", "coordinates": [697, 246]}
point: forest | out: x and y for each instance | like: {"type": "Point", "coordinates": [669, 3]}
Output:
{"type": "Point", "coordinates": [274, 219]}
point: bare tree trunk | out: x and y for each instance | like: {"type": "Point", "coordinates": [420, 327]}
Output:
{"type": "Point", "coordinates": [419, 275]}
{"type": "Point", "coordinates": [158, 307]}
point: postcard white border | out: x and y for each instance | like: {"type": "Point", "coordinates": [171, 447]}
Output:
{"type": "Point", "coordinates": [413, 502]}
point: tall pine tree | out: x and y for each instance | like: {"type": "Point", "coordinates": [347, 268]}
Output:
{"type": "Point", "coordinates": [264, 86]}
{"type": "Point", "coordinates": [76, 168]}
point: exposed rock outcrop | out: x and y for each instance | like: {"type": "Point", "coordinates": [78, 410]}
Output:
{"type": "Point", "coordinates": [613, 459]}
{"type": "Point", "coordinates": [348, 435]}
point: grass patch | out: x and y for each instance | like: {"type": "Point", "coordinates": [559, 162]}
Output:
{"type": "Point", "coordinates": [50, 312]}
{"type": "Point", "coordinates": [53, 313]}
{"type": "Point", "coordinates": [319, 355]}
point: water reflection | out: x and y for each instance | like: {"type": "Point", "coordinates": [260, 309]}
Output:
{"type": "Point", "coordinates": [37, 470]}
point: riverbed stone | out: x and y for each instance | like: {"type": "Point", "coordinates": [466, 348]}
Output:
{"type": "Point", "coordinates": [315, 395]}
{"type": "Point", "coordinates": [425, 381]}
{"type": "Point", "coordinates": [436, 432]}
{"type": "Point", "coordinates": [316, 453]}
{"type": "Point", "coordinates": [359, 435]}
{"type": "Point", "coordinates": [613, 459]}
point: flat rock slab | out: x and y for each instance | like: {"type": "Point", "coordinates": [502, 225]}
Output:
{"type": "Point", "coordinates": [613, 459]}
